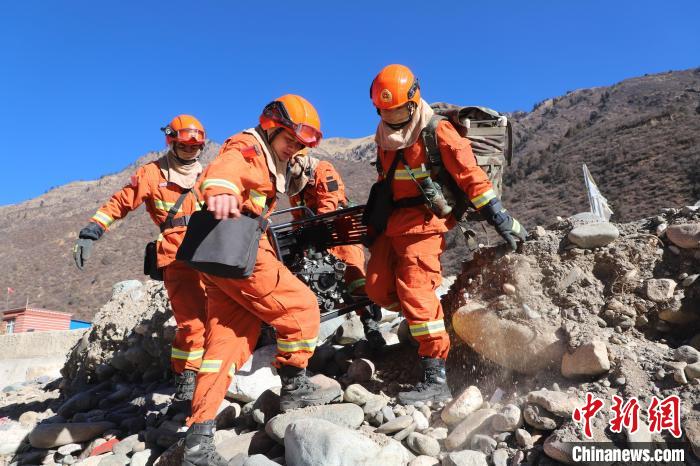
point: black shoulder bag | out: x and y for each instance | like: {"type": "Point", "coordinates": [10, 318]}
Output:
{"type": "Point", "coordinates": [150, 257]}
{"type": "Point", "coordinates": [380, 202]}
{"type": "Point", "coordinates": [225, 248]}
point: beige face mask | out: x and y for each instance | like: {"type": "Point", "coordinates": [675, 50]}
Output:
{"type": "Point", "coordinates": [396, 116]}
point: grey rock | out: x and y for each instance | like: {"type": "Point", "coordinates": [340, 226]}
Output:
{"type": "Point", "coordinates": [396, 425]}
{"type": "Point", "coordinates": [375, 404]}
{"type": "Point", "coordinates": [500, 457]}
{"type": "Point", "coordinates": [249, 443]}
{"type": "Point", "coordinates": [539, 418]}
{"type": "Point", "coordinates": [468, 401]}
{"type": "Point", "coordinates": [343, 414]}
{"type": "Point", "coordinates": [69, 449]}
{"type": "Point", "coordinates": [424, 460]}
{"type": "Point", "coordinates": [315, 441]}
{"type": "Point", "coordinates": [659, 289]}
{"type": "Point", "coordinates": [422, 444]}
{"type": "Point", "coordinates": [523, 438]}
{"type": "Point", "coordinates": [593, 235]}
{"type": "Point", "coordinates": [114, 460]}
{"type": "Point", "coordinates": [686, 353]}
{"type": "Point", "coordinates": [465, 458]}
{"type": "Point", "coordinates": [351, 331]}
{"type": "Point", "coordinates": [483, 443]}
{"type": "Point", "coordinates": [56, 435]}
{"type": "Point", "coordinates": [472, 424]}
{"type": "Point", "coordinates": [686, 236]}
{"type": "Point", "coordinates": [509, 419]}
{"type": "Point", "coordinates": [259, 460]}
{"type": "Point", "coordinates": [558, 403]}
{"type": "Point", "coordinates": [404, 433]}
{"type": "Point", "coordinates": [255, 376]}
{"type": "Point", "coordinates": [588, 359]}
{"type": "Point", "coordinates": [141, 458]}
{"type": "Point", "coordinates": [357, 394]}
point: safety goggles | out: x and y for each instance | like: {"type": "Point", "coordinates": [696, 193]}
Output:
{"type": "Point", "coordinates": [189, 136]}
{"type": "Point", "coordinates": [307, 135]}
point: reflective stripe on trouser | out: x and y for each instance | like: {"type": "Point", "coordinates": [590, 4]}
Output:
{"type": "Point", "coordinates": [237, 308]}
{"type": "Point", "coordinates": [188, 301]}
{"type": "Point", "coordinates": [406, 269]}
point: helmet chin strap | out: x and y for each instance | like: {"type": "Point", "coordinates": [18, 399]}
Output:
{"type": "Point", "coordinates": [184, 161]}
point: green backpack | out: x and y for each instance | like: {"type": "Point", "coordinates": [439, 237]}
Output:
{"type": "Point", "coordinates": [491, 138]}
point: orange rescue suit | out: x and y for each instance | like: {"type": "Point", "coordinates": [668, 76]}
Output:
{"type": "Point", "coordinates": [404, 268]}
{"type": "Point", "coordinates": [324, 193]}
{"type": "Point", "coordinates": [272, 294]}
{"type": "Point", "coordinates": [149, 186]}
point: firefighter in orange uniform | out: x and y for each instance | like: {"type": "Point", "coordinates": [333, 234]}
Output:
{"type": "Point", "coordinates": [245, 179]}
{"type": "Point", "coordinates": [161, 185]}
{"type": "Point", "coordinates": [404, 268]}
{"type": "Point", "coordinates": [317, 185]}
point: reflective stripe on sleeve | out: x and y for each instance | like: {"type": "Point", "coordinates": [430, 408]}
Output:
{"type": "Point", "coordinates": [482, 199]}
{"type": "Point", "coordinates": [432, 327]}
{"type": "Point", "coordinates": [186, 355]}
{"type": "Point", "coordinates": [290, 346]}
{"type": "Point", "coordinates": [221, 183]}
{"type": "Point", "coordinates": [104, 219]}
{"type": "Point", "coordinates": [211, 365]}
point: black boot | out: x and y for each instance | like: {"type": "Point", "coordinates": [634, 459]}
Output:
{"type": "Point", "coordinates": [298, 391]}
{"type": "Point", "coordinates": [433, 387]}
{"type": "Point", "coordinates": [184, 391]}
{"type": "Point", "coordinates": [199, 446]}
{"type": "Point", "coordinates": [372, 333]}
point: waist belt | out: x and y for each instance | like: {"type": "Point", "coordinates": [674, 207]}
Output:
{"type": "Point", "coordinates": [409, 202]}
{"type": "Point", "coordinates": [174, 222]}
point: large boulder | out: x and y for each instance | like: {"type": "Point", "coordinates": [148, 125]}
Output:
{"type": "Point", "coordinates": [255, 376]}
{"type": "Point", "coordinates": [685, 235]}
{"type": "Point", "coordinates": [511, 344]}
{"type": "Point", "coordinates": [316, 441]}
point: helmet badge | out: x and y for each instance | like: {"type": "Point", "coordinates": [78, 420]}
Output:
{"type": "Point", "coordinates": [386, 96]}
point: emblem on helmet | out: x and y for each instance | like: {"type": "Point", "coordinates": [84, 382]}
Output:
{"type": "Point", "coordinates": [386, 95]}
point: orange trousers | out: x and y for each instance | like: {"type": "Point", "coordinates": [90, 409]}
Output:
{"type": "Point", "coordinates": [402, 275]}
{"type": "Point", "coordinates": [188, 301]}
{"type": "Point", "coordinates": [354, 257]}
{"type": "Point", "coordinates": [237, 308]}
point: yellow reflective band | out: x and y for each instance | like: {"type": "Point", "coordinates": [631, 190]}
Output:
{"type": "Point", "coordinates": [186, 355]}
{"type": "Point", "coordinates": [211, 365]}
{"type": "Point", "coordinates": [103, 218]}
{"type": "Point", "coordinates": [166, 206]}
{"type": "Point", "coordinates": [298, 345]}
{"type": "Point", "coordinates": [355, 284]}
{"type": "Point", "coordinates": [221, 183]}
{"type": "Point", "coordinates": [232, 371]}
{"type": "Point", "coordinates": [427, 328]}
{"type": "Point", "coordinates": [160, 237]}
{"type": "Point", "coordinates": [258, 198]}
{"type": "Point", "coordinates": [483, 199]}
{"type": "Point", "coordinates": [418, 173]}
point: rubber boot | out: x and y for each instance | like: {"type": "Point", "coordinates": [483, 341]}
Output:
{"type": "Point", "coordinates": [184, 390]}
{"type": "Point", "coordinates": [433, 386]}
{"type": "Point", "coordinates": [298, 391]}
{"type": "Point", "coordinates": [199, 446]}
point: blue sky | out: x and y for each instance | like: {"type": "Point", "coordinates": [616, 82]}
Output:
{"type": "Point", "coordinates": [86, 85]}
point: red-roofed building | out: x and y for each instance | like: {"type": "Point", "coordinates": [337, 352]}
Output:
{"type": "Point", "coordinates": [35, 320]}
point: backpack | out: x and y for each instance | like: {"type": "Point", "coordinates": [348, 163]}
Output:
{"type": "Point", "coordinates": [491, 138]}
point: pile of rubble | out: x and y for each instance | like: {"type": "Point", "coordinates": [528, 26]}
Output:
{"type": "Point", "coordinates": [584, 308]}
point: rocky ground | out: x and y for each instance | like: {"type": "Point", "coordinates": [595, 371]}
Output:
{"type": "Point", "coordinates": [584, 307]}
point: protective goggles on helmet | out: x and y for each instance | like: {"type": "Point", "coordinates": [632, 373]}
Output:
{"type": "Point", "coordinates": [189, 136]}
{"type": "Point", "coordinates": [306, 134]}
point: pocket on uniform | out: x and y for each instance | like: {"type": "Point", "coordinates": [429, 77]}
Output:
{"type": "Point", "coordinates": [431, 266]}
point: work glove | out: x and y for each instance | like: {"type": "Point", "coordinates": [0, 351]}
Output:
{"type": "Point", "coordinates": [83, 247]}
{"type": "Point", "coordinates": [509, 228]}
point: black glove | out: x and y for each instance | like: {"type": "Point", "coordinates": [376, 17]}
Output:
{"type": "Point", "coordinates": [506, 226]}
{"type": "Point", "coordinates": [83, 247]}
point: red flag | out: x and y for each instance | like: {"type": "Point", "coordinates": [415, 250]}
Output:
{"type": "Point", "coordinates": [10, 290]}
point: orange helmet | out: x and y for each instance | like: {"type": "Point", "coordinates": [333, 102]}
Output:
{"type": "Point", "coordinates": [394, 86]}
{"type": "Point", "coordinates": [184, 129]}
{"type": "Point", "coordinates": [295, 114]}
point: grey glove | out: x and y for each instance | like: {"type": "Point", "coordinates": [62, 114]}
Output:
{"type": "Point", "coordinates": [83, 247]}
{"type": "Point", "coordinates": [506, 226]}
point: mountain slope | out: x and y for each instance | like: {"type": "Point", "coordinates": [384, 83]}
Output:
{"type": "Point", "coordinates": [640, 139]}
